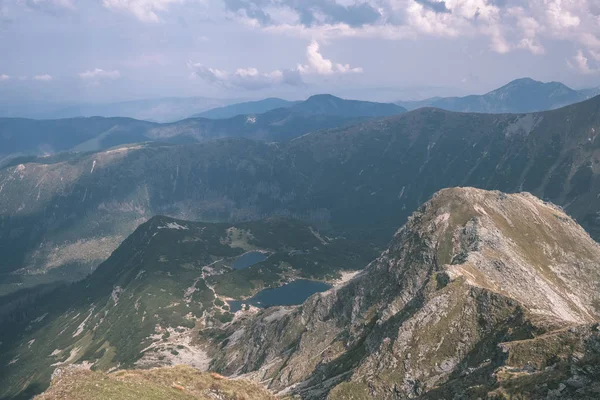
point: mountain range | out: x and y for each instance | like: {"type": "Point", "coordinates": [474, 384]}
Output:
{"type": "Point", "coordinates": [523, 95]}
{"type": "Point", "coordinates": [36, 137]}
{"type": "Point", "coordinates": [519, 96]}
{"type": "Point", "coordinates": [64, 214]}
{"type": "Point", "coordinates": [250, 107]}
{"type": "Point", "coordinates": [166, 109]}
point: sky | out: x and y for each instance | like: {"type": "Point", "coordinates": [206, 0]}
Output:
{"type": "Point", "coordinates": [71, 51]}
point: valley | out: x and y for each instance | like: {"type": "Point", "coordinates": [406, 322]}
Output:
{"type": "Point", "coordinates": [361, 181]}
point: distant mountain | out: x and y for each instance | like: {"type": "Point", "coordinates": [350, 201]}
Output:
{"type": "Point", "coordinates": [323, 104]}
{"type": "Point", "coordinates": [167, 109]}
{"type": "Point", "coordinates": [589, 93]}
{"type": "Point", "coordinates": [61, 216]}
{"type": "Point", "coordinates": [19, 136]}
{"type": "Point", "coordinates": [27, 137]}
{"type": "Point", "coordinates": [42, 137]}
{"type": "Point", "coordinates": [519, 96]}
{"type": "Point", "coordinates": [326, 104]}
{"type": "Point", "coordinates": [250, 107]}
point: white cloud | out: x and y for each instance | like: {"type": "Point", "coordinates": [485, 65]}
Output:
{"type": "Point", "coordinates": [97, 73]}
{"type": "Point", "coordinates": [4, 77]}
{"type": "Point", "coordinates": [144, 10]}
{"type": "Point", "coordinates": [560, 16]}
{"type": "Point", "coordinates": [508, 24]}
{"type": "Point", "coordinates": [581, 63]}
{"type": "Point", "coordinates": [245, 78]}
{"type": "Point", "coordinates": [318, 64]}
{"type": "Point", "coordinates": [43, 78]}
{"type": "Point", "coordinates": [251, 78]}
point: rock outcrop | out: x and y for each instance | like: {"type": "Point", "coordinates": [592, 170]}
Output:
{"type": "Point", "coordinates": [479, 294]}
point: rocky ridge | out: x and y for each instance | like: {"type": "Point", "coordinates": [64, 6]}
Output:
{"type": "Point", "coordinates": [480, 294]}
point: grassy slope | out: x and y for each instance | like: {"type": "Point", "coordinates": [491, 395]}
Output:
{"type": "Point", "coordinates": [178, 383]}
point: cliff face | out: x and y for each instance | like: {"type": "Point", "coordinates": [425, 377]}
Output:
{"type": "Point", "coordinates": [470, 285]}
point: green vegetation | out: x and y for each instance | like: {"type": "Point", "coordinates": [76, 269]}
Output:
{"type": "Point", "coordinates": [153, 290]}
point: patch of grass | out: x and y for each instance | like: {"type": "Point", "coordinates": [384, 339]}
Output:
{"type": "Point", "coordinates": [178, 383]}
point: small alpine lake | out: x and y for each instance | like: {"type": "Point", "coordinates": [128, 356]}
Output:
{"type": "Point", "coordinates": [290, 294]}
{"type": "Point", "coordinates": [249, 259]}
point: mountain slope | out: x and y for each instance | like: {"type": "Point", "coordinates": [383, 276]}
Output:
{"type": "Point", "coordinates": [23, 137]}
{"type": "Point", "coordinates": [250, 107]}
{"type": "Point", "coordinates": [473, 276]}
{"type": "Point", "coordinates": [144, 306]}
{"type": "Point", "coordinates": [30, 137]}
{"type": "Point", "coordinates": [519, 96]}
{"type": "Point", "coordinates": [362, 181]}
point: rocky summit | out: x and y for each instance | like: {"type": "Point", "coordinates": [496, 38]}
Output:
{"type": "Point", "coordinates": [480, 295]}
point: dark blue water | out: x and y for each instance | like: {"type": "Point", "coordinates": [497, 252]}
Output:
{"type": "Point", "coordinates": [287, 295]}
{"type": "Point", "coordinates": [248, 259]}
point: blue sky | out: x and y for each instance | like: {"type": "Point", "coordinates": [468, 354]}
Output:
{"type": "Point", "coordinates": [110, 50]}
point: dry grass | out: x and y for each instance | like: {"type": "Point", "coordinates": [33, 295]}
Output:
{"type": "Point", "coordinates": [177, 383]}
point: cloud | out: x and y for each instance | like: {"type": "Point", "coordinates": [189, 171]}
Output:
{"type": "Point", "coordinates": [253, 79]}
{"type": "Point", "coordinates": [437, 6]}
{"type": "Point", "coordinates": [43, 78]}
{"type": "Point", "coordinates": [245, 78]}
{"type": "Point", "coordinates": [318, 64]}
{"type": "Point", "coordinates": [308, 12]}
{"type": "Point", "coordinates": [50, 6]}
{"type": "Point", "coordinates": [144, 10]}
{"type": "Point", "coordinates": [4, 77]}
{"type": "Point", "coordinates": [581, 63]}
{"type": "Point", "coordinates": [97, 73]}
{"type": "Point", "coordinates": [509, 25]}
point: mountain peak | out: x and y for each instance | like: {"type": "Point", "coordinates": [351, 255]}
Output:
{"type": "Point", "coordinates": [523, 81]}
{"type": "Point", "coordinates": [328, 104]}
{"type": "Point", "coordinates": [321, 97]}
{"type": "Point", "coordinates": [487, 237]}
{"type": "Point", "coordinates": [532, 84]}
